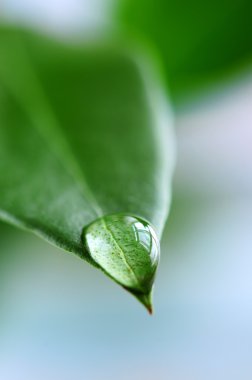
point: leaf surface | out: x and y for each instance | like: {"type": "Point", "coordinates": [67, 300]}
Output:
{"type": "Point", "coordinates": [82, 136]}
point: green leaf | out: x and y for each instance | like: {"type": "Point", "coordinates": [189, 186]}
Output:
{"type": "Point", "coordinates": [83, 135]}
{"type": "Point", "coordinates": [198, 41]}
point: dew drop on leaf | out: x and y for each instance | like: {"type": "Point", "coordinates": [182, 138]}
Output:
{"type": "Point", "coordinates": [127, 249]}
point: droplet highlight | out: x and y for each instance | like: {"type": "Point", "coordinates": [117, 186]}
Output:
{"type": "Point", "coordinates": [127, 249]}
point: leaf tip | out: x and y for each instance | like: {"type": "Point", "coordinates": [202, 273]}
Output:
{"type": "Point", "coordinates": [127, 249]}
{"type": "Point", "coordinates": [146, 300]}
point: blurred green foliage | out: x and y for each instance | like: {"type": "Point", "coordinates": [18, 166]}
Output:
{"type": "Point", "coordinates": [197, 41]}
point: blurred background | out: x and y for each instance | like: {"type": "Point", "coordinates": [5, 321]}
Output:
{"type": "Point", "coordinates": [62, 319]}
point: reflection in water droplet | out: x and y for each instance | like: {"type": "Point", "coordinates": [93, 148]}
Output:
{"type": "Point", "coordinates": [127, 249]}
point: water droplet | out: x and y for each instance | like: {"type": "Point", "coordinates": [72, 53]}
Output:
{"type": "Point", "coordinates": [127, 249]}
